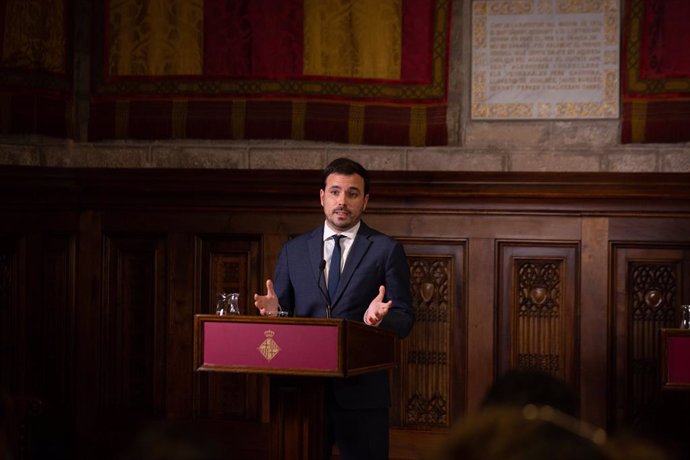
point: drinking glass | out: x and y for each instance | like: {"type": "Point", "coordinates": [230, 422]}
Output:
{"type": "Point", "coordinates": [221, 304]}
{"type": "Point", "coordinates": [233, 303]}
{"type": "Point", "coordinates": [228, 303]}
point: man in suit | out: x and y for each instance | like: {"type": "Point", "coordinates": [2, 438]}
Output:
{"type": "Point", "coordinates": [367, 279]}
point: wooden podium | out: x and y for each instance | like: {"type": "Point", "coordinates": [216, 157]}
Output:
{"type": "Point", "coordinates": [298, 353]}
{"type": "Point", "coordinates": [675, 359]}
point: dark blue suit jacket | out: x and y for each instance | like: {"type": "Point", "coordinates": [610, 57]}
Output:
{"type": "Point", "coordinates": [375, 259]}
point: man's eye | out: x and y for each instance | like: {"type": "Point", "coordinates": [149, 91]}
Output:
{"type": "Point", "coordinates": [353, 194]}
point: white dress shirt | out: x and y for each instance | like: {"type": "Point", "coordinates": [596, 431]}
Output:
{"type": "Point", "coordinates": [345, 245]}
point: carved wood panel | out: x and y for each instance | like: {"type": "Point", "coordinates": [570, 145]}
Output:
{"type": "Point", "coordinates": [11, 279]}
{"type": "Point", "coordinates": [133, 325]}
{"type": "Point", "coordinates": [58, 315]}
{"type": "Point", "coordinates": [151, 215]}
{"type": "Point", "coordinates": [429, 380]}
{"type": "Point", "coordinates": [537, 308]}
{"type": "Point", "coordinates": [650, 284]}
{"type": "Point", "coordinates": [37, 276]}
{"type": "Point", "coordinates": [228, 264]}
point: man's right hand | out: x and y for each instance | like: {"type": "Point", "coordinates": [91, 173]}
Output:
{"type": "Point", "coordinates": [267, 304]}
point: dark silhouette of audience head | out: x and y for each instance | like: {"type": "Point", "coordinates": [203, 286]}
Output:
{"type": "Point", "coordinates": [531, 415]}
{"type": "Point", "coordinates": [629, 447]}
{"type": "Point", "coordinates": [169, 440]}
{"type": "Point", "coordinates": [519, 387]}
{"type": "Point", "coordinates": [505, 432]}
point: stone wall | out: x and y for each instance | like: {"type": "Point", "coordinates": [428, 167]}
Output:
{"type": "Point", "coordinates": [567, 146]}
{"type": "Point", "coordinates": [494, 153]}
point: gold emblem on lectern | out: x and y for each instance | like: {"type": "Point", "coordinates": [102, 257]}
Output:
{"type": "Point", "coordinates": [269, 348]}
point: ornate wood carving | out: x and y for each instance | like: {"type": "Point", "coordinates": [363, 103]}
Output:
{"type": "Point", "coordinates": [536, 318]}
{"type": "Point", "coordinates": [426, 353]}
{"type": "Point", "coordinates": [651, 280]}
{"type": "Point", "coordinates": [429, 356]}
{"type": "Point", "coordinates": [654, 293]}
{"type": "Point", "coordinates": [518, 265]}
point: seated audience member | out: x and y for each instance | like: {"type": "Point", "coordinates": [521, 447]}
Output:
{"type": "Point", "coordinates": [628, 447]}
{"type": "Point", "coordinates": [519, 387]}
{"type": "Point", "coordinates": [531, 415]}
{"type": "Point", "coordinates": [505, 432]}
{"type": "Point", "coordinates": [174, 441]}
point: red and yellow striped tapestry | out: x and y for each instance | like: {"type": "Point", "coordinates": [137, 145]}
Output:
{"type": "Point", "coordinates": [349, 71]}
{"type": "Point", "coordinates": [656, 77]}
{"type": "Point", "coordinates": [35, 77]}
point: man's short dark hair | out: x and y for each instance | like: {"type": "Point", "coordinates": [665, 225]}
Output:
{"type": "Point", "coordinates": [346, 167]}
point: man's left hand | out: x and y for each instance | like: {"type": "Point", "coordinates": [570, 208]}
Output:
{"type": "Point", "coordinates": [377, 309]}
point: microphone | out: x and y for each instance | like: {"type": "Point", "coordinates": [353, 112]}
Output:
{"type": "Point", "coordinates": [322, 276]}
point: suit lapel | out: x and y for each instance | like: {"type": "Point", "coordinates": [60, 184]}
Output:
{"type": "Point", "coordinates": [315, 245]}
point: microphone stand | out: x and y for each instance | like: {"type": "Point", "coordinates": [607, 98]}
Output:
{"type": "Point", "coordinates": [322, 268]}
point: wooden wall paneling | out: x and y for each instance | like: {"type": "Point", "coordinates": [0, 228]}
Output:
{"type": "Point", "coordinates": [37, 275]}
{"type": "Point", "coordinates": [234, 407]}
{"type": "Point", "coordinates": [433, 357]}
{"type": "Point", "coordinates": [650, 282]}
{"type": "Point", "coordinates": [230, 263]}
{"type": "Point", "coordinates": [537, 317]}
{"type": "Point", "coordinates": [198, 216]}
{"type": "Point", "coordinates": [88, 334]}
{"type": "Point", "coordinates": [12, 338]}
{"type": "Point", "coordinates": [428, 385]}
{"type": "Point", "coordinates": [133, 326]}
{"type": "Point", "coordinates": [53, 336]}
{"type": "Point", "coordinates": [57, 318]}
{"type": "Point", "coordinates": [594, 324]}
{"type": "Point", "coordinates": [33, 322]}
{"type": "Point", "coordinates": [297, 407]}
{"type": "Point", "coordinates": [12, 312]}
{"type": "Point", "coordinates": [48, 327]}
{"type": "Point", "coordinates": [181, 308]}
{"type": "Point", "coordinates": [481, 321]}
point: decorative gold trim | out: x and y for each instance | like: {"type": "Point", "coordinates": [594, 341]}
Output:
{"type": "Point", "coordinates": [636, 84]}
{"type": "Point", "coordinates": [269, 348]}
{"type": "Point", "coordinates": [532, 100]}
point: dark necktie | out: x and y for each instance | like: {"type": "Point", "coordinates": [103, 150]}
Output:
{"type": "Point", "coordinates": [334, 270]}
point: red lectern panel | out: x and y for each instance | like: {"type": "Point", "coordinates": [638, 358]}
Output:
{"type": "Point", "coordinates": [294, 346]}
{"type": "Point", "coordinates": [675, 348]}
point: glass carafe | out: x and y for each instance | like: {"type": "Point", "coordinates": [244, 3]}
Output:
{"type": "Point", "coordinates": [228, 303]}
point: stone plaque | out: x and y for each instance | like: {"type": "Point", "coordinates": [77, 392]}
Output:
{"type": "Point", "coordinates": [545, 59]}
